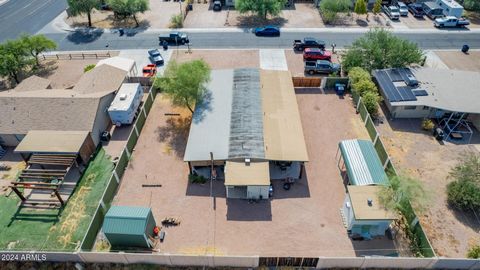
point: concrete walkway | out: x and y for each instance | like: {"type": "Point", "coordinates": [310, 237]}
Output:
{"type": "Point", "coordinates": [273, 59]}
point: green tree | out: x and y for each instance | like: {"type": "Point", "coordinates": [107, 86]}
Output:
{"type": "Point", "coordinates": [380, 49]}
{"type": "Point", "coordinates": [473, 5]}
{"type": "Point", "coordinates": [464, 192]}
{"type": "Point", "coordinates": [14, 59]}
{"type": "Point", "coordinates": [402, 191]}
{"type": "Point", "coordinates": [129, 7]}
{"type": "Point", "coordinates": [185, 83]}
{"type": "Point", "coordinates": [79, 7]}
{"type": "Point", "coordinates": [262, 8]}
{"type": "Point", "coordinates": [330, 8]}
{"type": "Point", "coordinates": [377, 7]}
{"type": "Point", "coordinates": [360, 7]}
{"type": "Point", "coordinates": [37, 44]}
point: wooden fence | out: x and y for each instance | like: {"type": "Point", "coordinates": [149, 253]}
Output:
{"type": "Point", "coordinates": [306, 81]}
{"type": "Point", "coordinates": [75, 56]}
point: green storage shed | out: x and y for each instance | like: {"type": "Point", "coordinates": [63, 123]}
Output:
{"type": "Point", "coordinates": [127, 226]}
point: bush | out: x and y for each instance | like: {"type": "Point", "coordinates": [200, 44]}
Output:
{"type": "Point", "coordinates": [370, 100]}
{"type": "Point", "coordinates": [474, 252]}
{"type": "Point", "coordinates": [87, 68]}
{"type": "Point", "coordinates": [473, 5]}
{"type": "Point", "coordinates": [197, 179]}
{"type": "Point", "coordinates": [330, 8]}
{"type": "Point", "coordinates": [464, 195]}
{"type": "Point", "coordinates": [176, 21]}
{"type": "Point", "coordinates": [427, 124]}
{"type": "Point", "coordinates": [357, 74]}
{"type": "Point", "coordinates": [364, 86]}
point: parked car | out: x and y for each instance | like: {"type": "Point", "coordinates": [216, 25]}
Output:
{"type": "Point", "coordinates": [149, 70]}
{"type": "Point", "coordinates": [310, 54]}
{"type": "Point", "coordinates": [450, 21]}
{"type": "Point", "coordinates": [217, 6]}
{"type": "Point", "coordinates": [402, 9]}
{"type": "Point", "coordinates": [268, 31]}
{"type": "Point", "coordinates": [155, 57]}
{"type": "Point", "coordinates": [416, 10]}
{"type": "Point", "coordinates": [308, 42]}
{"type": "Point", "coordinates": [392, 12]}
{"type": "Point", "coordinates": [175, 37]}
{"type": "Point", "coordinates": [321, 66]}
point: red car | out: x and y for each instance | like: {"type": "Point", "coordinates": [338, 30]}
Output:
{"type": "Point", "coordinates": [316, 54]}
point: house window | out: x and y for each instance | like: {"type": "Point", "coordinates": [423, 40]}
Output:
{"type": "Point", "coordinates": [410, 107]}
{"type": "Point", "coordinates": [426, 108]}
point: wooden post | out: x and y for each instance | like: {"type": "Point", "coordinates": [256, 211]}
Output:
{"type": "Point", "coordinates": [58, 196]}
{"type": "Point", "coordinates": [20, 195]}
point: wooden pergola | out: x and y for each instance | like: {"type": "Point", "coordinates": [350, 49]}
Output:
{"type": "Point", "coordinates": [44, 178]}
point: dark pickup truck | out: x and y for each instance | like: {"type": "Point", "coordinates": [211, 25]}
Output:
{"type": "Point", "coordinates": [308, 42]}
{"type": "Point", "coordinates": [175, 38]}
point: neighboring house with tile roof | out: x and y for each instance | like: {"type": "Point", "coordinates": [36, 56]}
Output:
{"type": "Point", "coordinates": [83, 108]}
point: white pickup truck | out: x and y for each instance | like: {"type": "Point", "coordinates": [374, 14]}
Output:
{"type": "Point", "coordinates": [450, 21]}
{"type": "Point", "coordinates": [392, 12]}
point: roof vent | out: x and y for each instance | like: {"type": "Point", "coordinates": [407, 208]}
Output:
{"type": "Point", "coordinates": [369, 202]}
{"type": "Point", "coordinates": [123, 96]}
{"type": "Point", "coordinates": [411, 80]}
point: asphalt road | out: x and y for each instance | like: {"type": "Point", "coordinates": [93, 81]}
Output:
{"type": "Point", "coordinates": [27, 16]}
{"type": "Point", "coordinates": [99, 40]}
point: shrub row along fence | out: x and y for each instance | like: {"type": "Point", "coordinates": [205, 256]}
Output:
{"type": "Point", "coordinates": [420, 242]}
{"type": "Point", "coordinates": [114, 181]}
{"type": "Point", "coordinates": [245, 261]}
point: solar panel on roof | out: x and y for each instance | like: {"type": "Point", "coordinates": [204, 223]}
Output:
{"type": "Point", "coordinates": [395, 75]}
{"type": "Point", "coordinates": [420, 93]}
{"type": "Point", "coordinates": [406, 93]}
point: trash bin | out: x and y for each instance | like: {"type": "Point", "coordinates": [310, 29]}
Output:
{"type": "Point", "coordinates": [465, 48]}
{"type": "Point", "coordinates": [121, 31]}
{"type": "Point", "coordinates": [438, 134]}
{"type": "Point", "coordinates": [190, 7]}
{"type": "Point", "coordinates": [165, 45]}
{"type": "Point", "coordinates": [340, 89]}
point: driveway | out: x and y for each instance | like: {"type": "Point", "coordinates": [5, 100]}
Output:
{"type": "Point", "coordinates": [273, 59]}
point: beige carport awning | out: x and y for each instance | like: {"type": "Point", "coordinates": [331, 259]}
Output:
{"type": "Point", "coordinates": [247, 174]}
{"type": "Point", "coordinates": [282, 127]}
{"type": "Point", "coordinates": [51, 141]}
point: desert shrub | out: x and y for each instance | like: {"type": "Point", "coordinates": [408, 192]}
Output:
{"type": "Point", "coordinates": [357, 74]}
{"type": "Point", "coordinates": [474, 252]}
{"type": "Point", "coordinates": [87, 68]}
{"type": "Point", "coordinates": [176, 21]}
{"type": "Point", "coordinates": [427, 124]}
{"type": "Point", "coordinates": [464, 195]}
{"type": "Point", "coordinates": [197, 179]}
{"type": "Point", "coordinates": [330, 8]}
{"type": "Point", "coordinates": [370, 100]}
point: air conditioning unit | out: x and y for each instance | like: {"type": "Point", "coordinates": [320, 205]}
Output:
{"type": "Point", "coordinates": [123, 97]}
{"type": "Point", "coordinates": [411, 80]}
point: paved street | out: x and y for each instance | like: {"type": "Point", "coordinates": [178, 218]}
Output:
{"type": "Point", "coordinates": [99, 40]}
{"type": "Point", "coordinates": [27, 16]}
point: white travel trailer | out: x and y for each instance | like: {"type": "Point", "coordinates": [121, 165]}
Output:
{"type": "Point", "coordinates": [124, 107]}
{"type": "Point", "coordinates": [451, 8]}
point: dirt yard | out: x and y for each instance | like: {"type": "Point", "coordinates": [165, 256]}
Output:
{"type": "Point", "coordinates": [459, 60]}
{"type": "Point", "coordinates": [353, 20]}
{"type": "Point", "coordinates": [417, 153]}
{"type": "Point", "coordinates": [220, 59]}
{"type": "Point", "coordinates": [157, 17]}
{"type": "Point", "coordinates": [304, 221]}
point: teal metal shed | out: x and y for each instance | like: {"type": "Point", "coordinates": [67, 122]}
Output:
{"type": "Point", "coordinates": [127, 226]}
{"type": "Point", "coordinates": [362, 163]}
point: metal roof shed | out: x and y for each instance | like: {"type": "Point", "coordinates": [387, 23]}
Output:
{"type": "Point", "coordinates": [127, 226]}
{"type": "Point", "coordinates": [362, 163]}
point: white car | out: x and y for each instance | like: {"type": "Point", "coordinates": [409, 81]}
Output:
{"type": "Point", "coordinates": [402, 9]}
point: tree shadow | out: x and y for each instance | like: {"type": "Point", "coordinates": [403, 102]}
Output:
{"type": "Point", "coordinates": [203, 108]}
{"type": "Point", "coordinates": [175, 134]}
{"type": "Point", "coordinates": [216, 190]}
{"type": "Point", "coordinates": [255, 21]}
{"type": "Point", "coordinates": [470, 219]}
{"type": "Point", "coordinates": [45, 69]}
{"type": "Point", "coordinates": [83, 36]}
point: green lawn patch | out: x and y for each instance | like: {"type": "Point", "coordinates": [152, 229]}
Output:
{"type": "Point", "coordinates": [55, 229]}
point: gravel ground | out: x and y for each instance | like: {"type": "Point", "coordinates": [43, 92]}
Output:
{"type": "Point", "coordinates": [220, 59]}
{"type": "Point", "coordinates": [417, 153]}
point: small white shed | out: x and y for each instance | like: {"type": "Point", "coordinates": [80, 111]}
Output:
{"type": "Point", "coordinates": [363, 215]}
{"type": "Point", "coordinates": [451, 8]}
{"type": "Point", "coordinates": [125, 105]}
